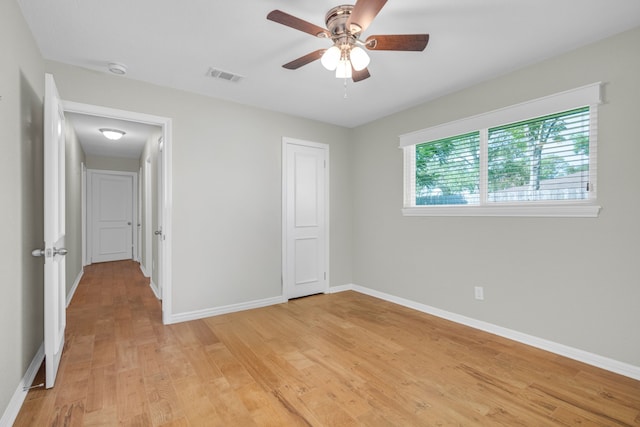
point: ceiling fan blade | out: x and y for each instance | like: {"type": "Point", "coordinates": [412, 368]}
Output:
{"type": "Point", "coordinates": [415, 42]}
{"type": "Point", "coordinates": [363, 14]}
{"type": "Point", "coordinates": [299, 24]}
{"type": "Point", "coordinates": [357, 76]}
{"type": "Point", "coordinates": [304, 60]}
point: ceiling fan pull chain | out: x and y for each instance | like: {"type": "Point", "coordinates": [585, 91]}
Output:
{"type": "Point", "coordinates": [345, 88]}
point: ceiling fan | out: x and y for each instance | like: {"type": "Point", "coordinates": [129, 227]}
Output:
{"type": "Point", "coordinates": [345, 25]}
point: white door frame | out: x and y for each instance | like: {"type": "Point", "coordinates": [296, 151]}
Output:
{"type": "Point", "coordinates": [147, 220]}
{"type": "Point", "coordinates": [167, 203]}
{"type": "Point", "coordinates": [83, 215]}
{"type": "Point", "coordinates": [285, 261]}
{"type": "Point", "coordinates": [160, 218]}
{"type": "Point", "coordinates": [135, 208]}
{"type": "Point", "coordinates": [137, 256]}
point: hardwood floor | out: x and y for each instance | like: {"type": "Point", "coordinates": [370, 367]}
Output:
{"type": "Point", "coordinates": [328, 360]}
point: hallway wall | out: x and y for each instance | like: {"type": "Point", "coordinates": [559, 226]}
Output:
{"type": "Point", "coordinates": [74, 156]}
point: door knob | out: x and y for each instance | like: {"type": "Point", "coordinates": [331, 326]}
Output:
{"type": "Point", "coordinates": [54, 252]}
{"type": "Point", "coordinates": [158, 232]}
{"type": "Point", "coordinates": [37, 252]}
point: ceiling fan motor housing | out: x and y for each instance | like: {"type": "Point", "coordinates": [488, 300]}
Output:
{"type": "Point", "coordinates": [336, 21]}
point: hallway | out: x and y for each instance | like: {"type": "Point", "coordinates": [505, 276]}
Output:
{"type": "Point", "coordinates": [113, 332]}
{"type": "Point", "coordinates": [326, 360]}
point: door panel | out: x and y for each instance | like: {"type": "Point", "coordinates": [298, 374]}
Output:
{"type": "Point", "coordinates": [54, 231]}
{"type": "Point", "coordinates": [304, 225]}
{"type": "Point", "coordinates": [307, 260]}
{"type": "Point", "coordinates": [111, 216]}
{"type": "Point", "coordinates": [306, 189]}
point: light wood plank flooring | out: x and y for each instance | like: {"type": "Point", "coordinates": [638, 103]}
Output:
{"type": "Point", "coordinates": [327, 360]}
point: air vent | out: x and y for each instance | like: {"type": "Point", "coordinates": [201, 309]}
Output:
{"type": "Point", "coordinates": [224, 75]}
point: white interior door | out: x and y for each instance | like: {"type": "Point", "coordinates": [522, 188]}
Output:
{"type": "Point", "coordinates": [305, 225]}
{"type": "Point", "coordinates": [112, 215]}
{"type": "Point", "coordinates": [54, 231]}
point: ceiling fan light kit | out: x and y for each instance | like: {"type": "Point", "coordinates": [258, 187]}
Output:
{"type": "Point", "coordinates": [345, 24]}
{"type": "Point", "coordinates": [330, 58]}
{"type": "Point", "coordinates": [336, 58]}
{"type": "Point", "coordinates": [359, 58]}
{"type": "Point", "coordinates": [343, 70]}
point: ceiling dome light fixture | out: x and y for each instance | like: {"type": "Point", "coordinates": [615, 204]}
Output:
{"type": "Point", "coordinates": [112, 134]}
{"type": "Point", "coordinates": [118, 68]}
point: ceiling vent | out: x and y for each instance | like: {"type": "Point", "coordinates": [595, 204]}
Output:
{"type": "Point", "coordinates": [224, 75]}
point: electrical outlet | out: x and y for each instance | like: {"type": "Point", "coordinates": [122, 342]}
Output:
{"type": "Point", "coordinates": [479, 293]}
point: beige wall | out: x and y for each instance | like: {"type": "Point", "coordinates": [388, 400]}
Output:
{"type": "Point", "coordinates": [568, 280]}
{"type": "Point", "coordinates": [75, 157]}
{"type": "Point", "coordinates": [21, 186]}
{"type": "Point", "coordinates": [226, 187]}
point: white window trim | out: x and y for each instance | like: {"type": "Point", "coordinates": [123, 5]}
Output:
{"type": "Point", "coordinates": [588, 95]}
{"type": "Point", "coordinates": [582, 210]}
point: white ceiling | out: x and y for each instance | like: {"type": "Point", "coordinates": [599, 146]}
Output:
{"type": "Point", "coordinates": [173, 43]}
{"type": "Point", "coordinates": [95, 144]}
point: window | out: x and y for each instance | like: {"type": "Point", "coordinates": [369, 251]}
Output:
{"type": "Point", "coordinates": [532, 159]}
{"type": "Point", "coordinates": [448, 170]}
{"type": "Point", "coordinates": [546, 158]}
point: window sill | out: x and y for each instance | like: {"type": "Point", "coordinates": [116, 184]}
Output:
{"type": "Point", "coordinates": [559, 211]}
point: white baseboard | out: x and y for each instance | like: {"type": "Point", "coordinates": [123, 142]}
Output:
{"type": "Point", "coordinates": [201, 314]}
{"type": "Point", "coordinates": [155, 289]}
{"type": "Point", "coordinates": [342, 288]}
{"type": "Point", "coordinates": [73, 289]}
{"type": "Point", "coordinates": [12, 410]}
{"type": "Point", "coordinates": [596, 360]}
{"type": "Point", "coordinates": [144, 270]}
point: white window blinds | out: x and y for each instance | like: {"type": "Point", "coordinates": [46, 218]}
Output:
{"type": "Point", "coordinates": [508, 158]}
{"type": "Point", "coordinates": [546, 158]}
